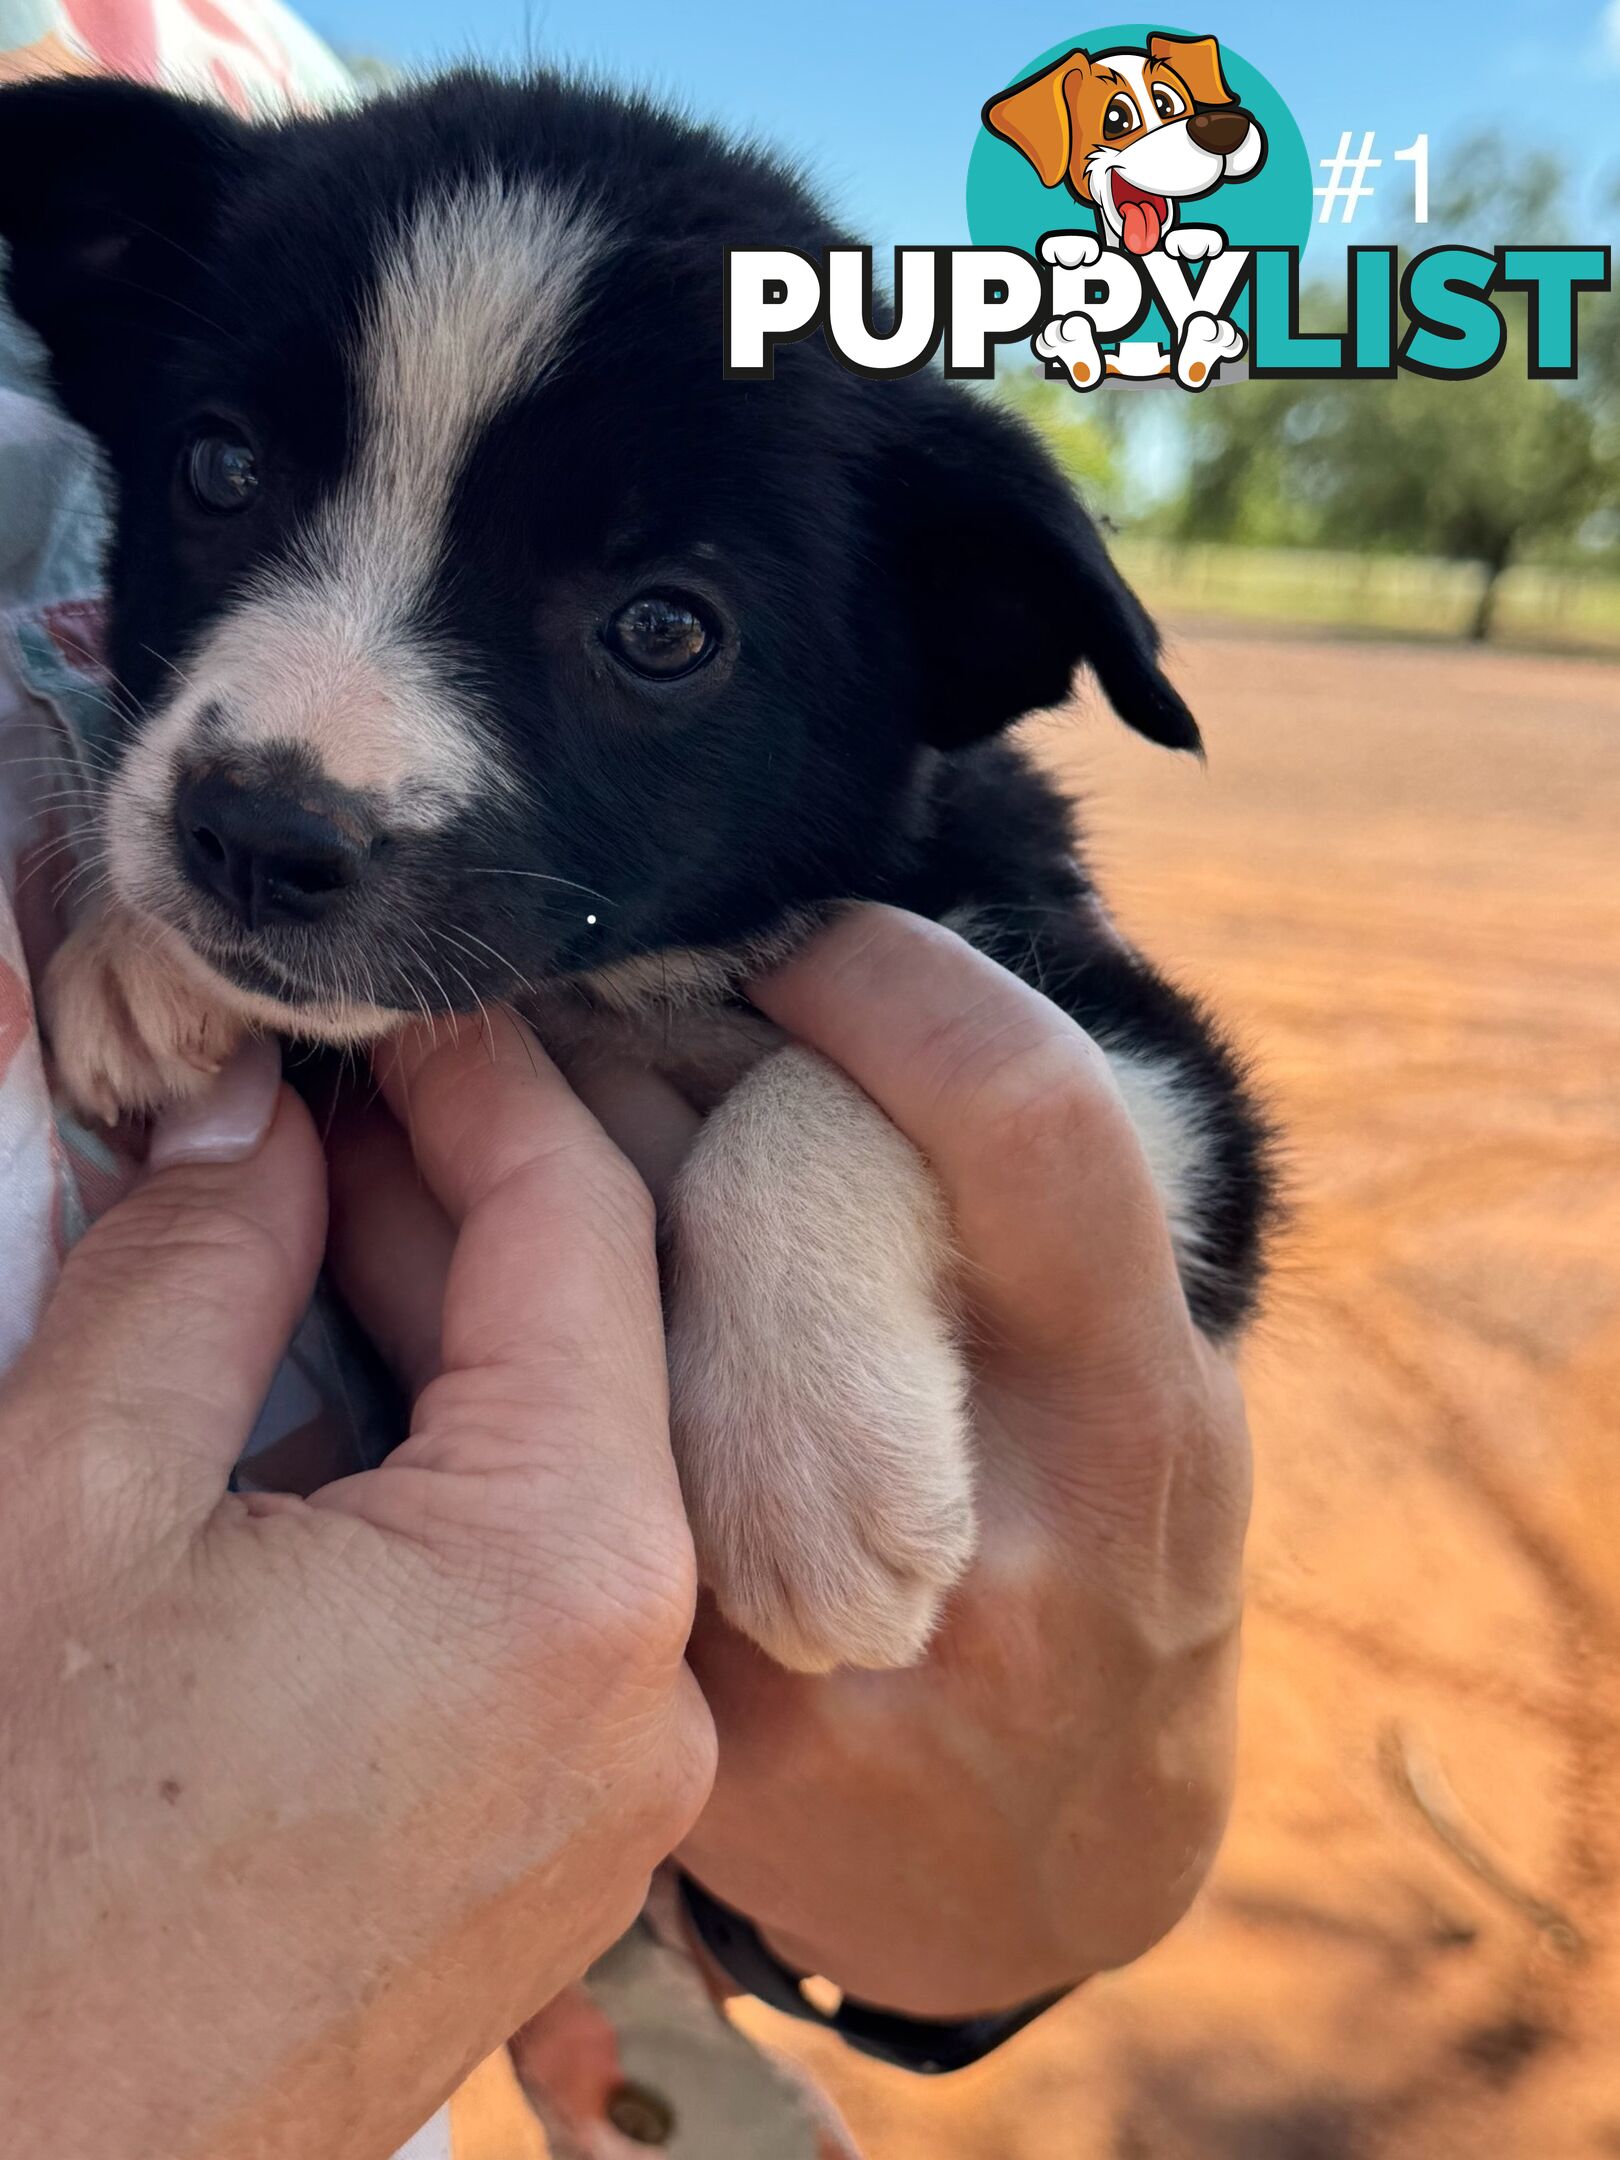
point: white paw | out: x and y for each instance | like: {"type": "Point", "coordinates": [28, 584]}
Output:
{"type": "Point", "coordinates": [1206, 340]}
{"type": "Point", "coordinates": [1072, 342]}
{"type": "Point", "coordinates": [131, 1026]}
{"type": "Point", "coordinates": [818, 1400]}
{"type": "Point", "coordinates": [1071, 250]}
{"type": "Point", "coordinates": [1194, 243]}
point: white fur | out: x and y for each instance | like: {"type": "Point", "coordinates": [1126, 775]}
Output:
{"type": "Point", "coordinates": [818, 1399]}
{"type": "Point", "coordinates": [472, 307]}
{"type": "Point", "coordinates": [1176, 1138]}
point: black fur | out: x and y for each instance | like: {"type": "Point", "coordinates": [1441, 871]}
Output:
{"type": "Point", "coordinates": [897, 568]}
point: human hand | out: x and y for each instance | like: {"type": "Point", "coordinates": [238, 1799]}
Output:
{"type": "Point", "coordinates": [1042, 1796]}
{"type": "Point", "coordinates": [310, 1803]}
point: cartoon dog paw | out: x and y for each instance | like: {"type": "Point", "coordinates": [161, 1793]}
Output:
{"type": "Point", "coordinates": [817, 1393]}
{"type": "Point", "coordinates": [1071, 250]}
{"type": "Point", "coordinates": [1072, 342]}
{"type": "Point", "coordinates": [1194, 243]}
{"type": "Point", "coordinates": [1206, 340]}
{"type": "Point", "coordinates": [131, 1027]}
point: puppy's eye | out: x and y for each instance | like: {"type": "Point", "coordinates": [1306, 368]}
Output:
{"type": "Point", "coordinates": [1121, 116]}
{"type": "Point", "coordinates": [1166, 103]}
{"type": "Point", "coordinates": [222, 471]}
{"type": "Point", "coordinates": [660, 635]}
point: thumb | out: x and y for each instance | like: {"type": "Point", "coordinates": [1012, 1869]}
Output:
{"type": "Point", "coordinates": [164, 1332]}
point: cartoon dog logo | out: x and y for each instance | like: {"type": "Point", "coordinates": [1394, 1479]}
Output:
{"type": "Point", "coordinates": [1133, 133]}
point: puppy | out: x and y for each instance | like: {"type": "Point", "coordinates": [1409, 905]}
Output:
{"type": "Point", "coordinates": [476, 639]}
{"type": "Point", "coordinates": [1134, 133]}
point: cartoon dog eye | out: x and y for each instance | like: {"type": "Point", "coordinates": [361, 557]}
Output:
{"type": "Point", "coordinates": [1122, 117]}
{"type": "Point", "coordinates": [1168, 103]}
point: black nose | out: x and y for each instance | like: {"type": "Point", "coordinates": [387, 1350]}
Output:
{"type": "Point", "coordinates": [271, 856]}
{"type": "Point", "coordinates": [1218, 132]}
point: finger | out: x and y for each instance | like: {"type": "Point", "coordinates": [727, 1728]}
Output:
{"type": "Point", "coordinates": [1067, 1246]}
{"type": "Point", "coordinates": [173, 1312]}
{"type": "Point", "coordinates": [645, 1117]}
{"type": "Point", "coordinates": [552, 1359]}
{"type": "Point", "coordinates": [390, 1242]}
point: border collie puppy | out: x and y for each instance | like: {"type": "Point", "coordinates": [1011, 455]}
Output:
{"type": "Point", "coordinates": [476, 639]}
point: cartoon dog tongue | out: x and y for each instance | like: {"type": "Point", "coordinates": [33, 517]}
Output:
{"type": "Point", "coordinates": [1142, 223]}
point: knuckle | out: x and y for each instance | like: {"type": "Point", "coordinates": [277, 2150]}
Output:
{"type": "Point", "coordinates": [686, 1778]}
{"type": "Point", "coordinates": [197, 1249]}
{"type": "Point", "coordinates": [638, 1606]}
{"type": "Point", "coordinates": [588, 1176]}
{"type": "Point", "coordinates": [1035, 1095]}
{"type": "Point", "coordinates": [619, 1199]}
{"type": "Point", "coordinates": [610, 1598]}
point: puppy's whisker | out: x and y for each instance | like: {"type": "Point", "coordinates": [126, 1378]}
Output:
{"type": "Point", "coordinates": [486, 1026]}
{"type": "Point", "coordinates": [464, 940]}
{"type": "Point", "coordinates": [544, 877]}
{"type": "Point", "coordinates": [43, 860]}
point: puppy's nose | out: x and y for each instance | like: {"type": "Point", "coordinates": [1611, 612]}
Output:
{"type": "Point", "coordinates": [271, 856]}
{"type": "Point", "coordinates": [1218, 132]}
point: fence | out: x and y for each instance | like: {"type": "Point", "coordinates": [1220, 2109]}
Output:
{"type": "Point", "coordinates": [1411, 594]}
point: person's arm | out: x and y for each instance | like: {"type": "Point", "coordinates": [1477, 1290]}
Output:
{"type": "Point", "coordinates": [310, 1803]}
{"type": "Point", "coordinates": [1041, 1798]}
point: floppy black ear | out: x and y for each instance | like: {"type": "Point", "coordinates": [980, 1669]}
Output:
{"type": "Point", "coordinates": [1009, 584]}
{"type": "Point", "coordinates": [106, 190]}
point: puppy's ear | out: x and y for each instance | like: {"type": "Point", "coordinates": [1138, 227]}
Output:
{"type": "Point", "coordinates": [1197, 60]}
{"type": "Point", "coordinates": [1035, 117]}
{"type": "Point", "coordinates": [1007, 584]}
{"type": "Point", "coordinates": [106, 191]}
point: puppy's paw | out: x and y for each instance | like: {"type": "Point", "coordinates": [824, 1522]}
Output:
{"type": "Point", "coordinates": [1194, 243]}
{"type": "Point", "coordinates": [1071, 250]}
{"type": "Point", "coordinates": [829, 1491]}
{"type": "Point", "coordinates": [1072, 342]}
{"type": "Point", "coordinates": [818, 1398]}
{"type": "Point", "coordinates": [1206, 340]}
{"type": "Point", "coordinates": [131, 1027]}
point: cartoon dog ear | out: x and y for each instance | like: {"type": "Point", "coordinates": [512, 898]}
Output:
{"type": "Point", "coordinates": [1197, 60]}
{"type": "Point", "coordinates": [106, 191]}
{"type": "Point", "coordinates": [1035, 117]}
{"type": "Point", "coordinates": [1007, 583]}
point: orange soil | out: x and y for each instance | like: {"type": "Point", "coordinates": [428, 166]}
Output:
{"type": "Point", "coordinates": [1399, 879]}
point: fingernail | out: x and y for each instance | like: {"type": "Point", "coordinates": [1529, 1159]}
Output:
{"type": "Point", "coordinates": [228, 1121]}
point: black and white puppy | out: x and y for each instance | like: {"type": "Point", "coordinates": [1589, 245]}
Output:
{"type": "Point", "coordinates": [478, 640]}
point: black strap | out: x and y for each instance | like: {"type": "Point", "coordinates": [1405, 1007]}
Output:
{"type": "Point", "coordinates": [930, 2046]}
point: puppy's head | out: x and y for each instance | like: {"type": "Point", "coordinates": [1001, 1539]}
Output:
{"type": "Point", "coordinates": [1132, 132]}
{"type": "Point", "coordinates": [471, 629]}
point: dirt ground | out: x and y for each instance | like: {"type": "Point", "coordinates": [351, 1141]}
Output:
{"type": "Point", "coordinates": [1399, 878]}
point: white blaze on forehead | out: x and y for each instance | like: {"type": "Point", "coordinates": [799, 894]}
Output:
{"type": "Point", "coordinates": [1132, 70]}
{"type": "Point", "coordinates": [470, 309]}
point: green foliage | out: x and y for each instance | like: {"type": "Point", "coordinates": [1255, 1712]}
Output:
{"type": "Point", "coordinates": [1478, 471]}
{"type": "Point", "coordinates": [1085, 435]}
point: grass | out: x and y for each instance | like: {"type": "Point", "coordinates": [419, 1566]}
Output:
{"type": "Point", "coordinates": [1406, 595]}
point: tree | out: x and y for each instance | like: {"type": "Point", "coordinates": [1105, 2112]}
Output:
{"type": "Point", "coordinates": [1475, 470]}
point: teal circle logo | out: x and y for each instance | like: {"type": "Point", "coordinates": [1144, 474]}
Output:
{"type": "Point", "coordinates": [1063, 131]}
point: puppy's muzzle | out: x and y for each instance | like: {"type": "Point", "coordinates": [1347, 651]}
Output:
{"type": "Point", "coordinates": [1220, 133]}
{"type": "Point", "coordinates": [268, 853]}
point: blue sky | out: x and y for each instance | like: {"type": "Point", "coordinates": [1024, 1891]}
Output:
{"type": "Point", "coordinates": [882, 99]}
